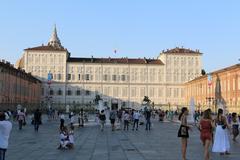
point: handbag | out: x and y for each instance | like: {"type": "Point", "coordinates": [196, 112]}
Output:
{"type": "Point", "coordinates": [183, 131]}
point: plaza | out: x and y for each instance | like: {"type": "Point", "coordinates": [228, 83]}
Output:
{"type": "Point", "coordinates": [161, 143]}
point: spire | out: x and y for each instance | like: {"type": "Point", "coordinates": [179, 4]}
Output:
{"type": "Point", "coordinates": [54, 40]}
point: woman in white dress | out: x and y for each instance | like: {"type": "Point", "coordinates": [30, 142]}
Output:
{"type": "Point", "coordinates": [221, 139]}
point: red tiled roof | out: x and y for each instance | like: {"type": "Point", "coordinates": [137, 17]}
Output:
{"type": "Point", "coordinates": [47, 48]}
{"type": "Point", "coordinates": [116, 60]}
{"type": "Point", "coordinates": [178, 50]}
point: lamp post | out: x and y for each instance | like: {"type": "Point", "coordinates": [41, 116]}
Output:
{"type": "Point", "coordinates": [49, 89]}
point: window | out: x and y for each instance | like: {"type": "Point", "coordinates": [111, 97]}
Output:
{"type": "Point", "coordinates": [78, 92]}
{"type": "Point", "coordinates": [115, 91]}
{"type": "Point", "coordinates": [51, 92]}
{"type": "Point", "coordinates": [59, 76]}
{"type": "Point", "coordinates": [69, 77]}
{"type": "Point", "coordinates": [133, 92]}
{"type": "Point", "coordinates": [124, 91]}
{"type": "Point", "coordinates": [160, 92]}
{"type": "Point", "coordinates": [79, 77]}
{"type": "Point", "coordinates": [169, 92]}
{"type": "Point", "coordinates": [69, 92]}
{"type": "Point", "coordinates": [182, 92]}
{"type": "Point", "coordinates": [114, 77]}
{"type": "Point", "coordinates": [142, 92]}
{"type": "Point", "coordinates": [105, 77]}
{"type": "Point", "coordinates": [106, 90]}
{"type": "Point", "coordinates": [123, 77]}
{"type": "Point", "coordinates": [88, 92]}
{"type": "Point", "coordinates": [59, 92]}
{"type": "Point", "coordinates": [152, 92]}
{"type": "Point", "coordinates": [87, 77]}
{"type": "Point", "coordinates": [176, 93]}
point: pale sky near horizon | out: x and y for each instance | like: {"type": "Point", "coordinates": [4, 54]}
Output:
{"type": "Point", "coordinates": [135, 28]}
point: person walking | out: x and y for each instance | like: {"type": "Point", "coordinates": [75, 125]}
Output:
{"type": "Point", "coordinates": [235, 126]}
{"type": "Point", "coordinates": [37, 119]}
{"type": "Point", "coordinates": [62, 120]}
{"type": "Point", "coordinates": [112, 117]}
{"type": "Point", "coordinates": [148, 119]}
{"type": "Point", "coordinates": [21, 117]}
{"type": "Point", "coordinates": [126, 118]}
{"type": "Point", "coordinates": [5, 130]}
{"type": "Point", "coordinates": [102, 118]}
{"type": "Point", "coordinates": [72, 119]}
{"type": "Point", "coordinates": [81, 118]}
{"type": "Point", "coordinates": [136, 117]}
{"type": "Point", "coordinates": [183, 131]}
{"type": "Point", "coordinates": [206, 129]}
{"type": "Point", "coordinates": [221, 141]}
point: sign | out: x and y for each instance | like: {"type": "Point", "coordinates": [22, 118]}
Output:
{"type": "Point", "coordinates": [50, 76]}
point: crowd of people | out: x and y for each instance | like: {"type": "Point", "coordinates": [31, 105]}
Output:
{"type": "Point", "coordinates": [214, 129]}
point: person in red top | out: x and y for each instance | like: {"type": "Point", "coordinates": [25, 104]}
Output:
{"type": "Point", "coordinates": [206, 129]}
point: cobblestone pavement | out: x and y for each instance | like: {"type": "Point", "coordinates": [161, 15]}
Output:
{"type": "Point", "coordinates": [161, 143]}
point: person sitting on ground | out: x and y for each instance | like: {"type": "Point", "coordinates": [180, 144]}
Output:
{"type": "Point", "coordinates": [64, 138]}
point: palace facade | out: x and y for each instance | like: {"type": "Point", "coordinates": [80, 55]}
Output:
{"type": "Point", "coordinates": [119, 81]}
{"type": "Point", "coordinates": [221, 86]}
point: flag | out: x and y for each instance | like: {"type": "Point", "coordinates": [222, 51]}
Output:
{"type": "Point", "coordinates": [209, 79]}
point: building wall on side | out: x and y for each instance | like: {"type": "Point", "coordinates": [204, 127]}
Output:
{"type": "Point", "coordinates": [17, 87]}
{"type": "Point", "coordinates": [204, 94]}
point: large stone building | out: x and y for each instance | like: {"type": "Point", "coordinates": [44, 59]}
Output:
{"type": "Point", "coordinates": [18, 87]}
{"type": "Point", "coordinates": [120, 81]}
{"type": "Point", "coordinates": [221, 87]}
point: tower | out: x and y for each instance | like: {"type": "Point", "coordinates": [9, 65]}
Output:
{"type": "Point", "coordinates": [54, 40]}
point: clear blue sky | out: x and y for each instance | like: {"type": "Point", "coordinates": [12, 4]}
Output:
{"type": "Point", "coordinates": [136, 28]}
